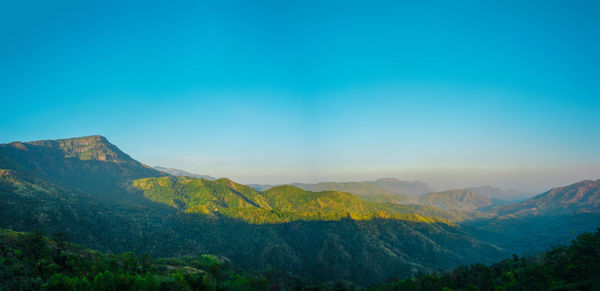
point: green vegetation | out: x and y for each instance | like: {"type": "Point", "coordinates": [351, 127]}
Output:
{"type": "Point", "coordinates": [88, 164]}
{"type": "Point", "coordinates": [200, 195]}
{"type": "Point", "coordinates": [430, 211]}
{"type": "Point", "coordinates": [276, 205]}
{"type": "Point", "coordinates": [34, 262]}
{"type": "Point", "coordinates": [31, 261]}
{"type": "Point", "coordinates": [573, 267]}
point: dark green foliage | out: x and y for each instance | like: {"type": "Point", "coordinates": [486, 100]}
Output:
{"type": "Point", "coordinates": [573, 267]}
{"type": "Point", "coordinates": [27, 262]}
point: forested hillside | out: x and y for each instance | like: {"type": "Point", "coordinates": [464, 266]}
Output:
{"type": "Point", "coordinates": [33, 262]}
{"type": "Point", "coordinates": [320, 236]}
{"type": "Point", "coordinates": [316, 235]}
{"type": "Point", "coordinates": [572, 267]}
{"type": "Point", "coordinates": [551, 217]}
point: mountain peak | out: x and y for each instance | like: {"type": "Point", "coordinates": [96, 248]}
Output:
{"type": "Point", "coordinates": [89, 163]}
{"type": "Point", "coordinates": [93, 147]}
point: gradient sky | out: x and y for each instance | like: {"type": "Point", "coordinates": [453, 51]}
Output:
{"type": "Point", "coordinates": [454, 93]}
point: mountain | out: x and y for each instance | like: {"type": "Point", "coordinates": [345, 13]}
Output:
{"type": "Point", "coordinates": [357, 188]}
{"type": "Point", "coordinates": [277, 205]}
{"type": "Point", "coordinates": [178, 172]}
{"type": "Point", "coordinates": [379, 186]}
{"type": "Point", "coordinates": [500, 194]}
{"type": "Point", "coordinates": [88, 164]}
{"type": "Point", "coordinates": [583, 196]}
{"type": "Point", "coordinates": [400, 187]}
{"type": "Point", "coordinates": [572, 267]}
{"type": "Point", "coordinates": [454, 199]}
{"type": "Point", "coordinates": [551, 217]}
{"type": "Point", "coordinates": [103, 199]}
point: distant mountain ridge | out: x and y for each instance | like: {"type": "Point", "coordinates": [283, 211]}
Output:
{"type": "Point", "coordinates": [454, 199]}
{"type": "Point", "coordinates": [179, 172]}
{"type": "Point", "coordinates": [379, 186]}
{"type": "Point", "coordinates": [497, 193]}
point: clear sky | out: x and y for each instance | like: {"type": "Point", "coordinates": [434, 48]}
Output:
{"type": "Point", "coordinates": [454, 93]}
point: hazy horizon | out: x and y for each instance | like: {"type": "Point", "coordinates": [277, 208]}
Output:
{"type": "Point", "coordinates": [452, 94]}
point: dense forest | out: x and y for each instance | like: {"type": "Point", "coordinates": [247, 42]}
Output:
{"type": "Point", "coordinates": [572, 267]}
{"type": "Point", "coordinates": [31, 261]}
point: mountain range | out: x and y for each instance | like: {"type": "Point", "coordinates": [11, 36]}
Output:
{"type": "Point", "coordinates": [104, 199]}
{"type": "Point", "coordinates": [379, 186]}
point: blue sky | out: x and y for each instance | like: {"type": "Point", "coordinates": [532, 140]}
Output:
{"type": "Point", "coordinates": [454, 93]}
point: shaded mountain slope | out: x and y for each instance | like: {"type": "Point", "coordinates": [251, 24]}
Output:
{"type": "Point", "coordinates": [551, 217]}
{"type": "Point", "coordinates": [570, 267]}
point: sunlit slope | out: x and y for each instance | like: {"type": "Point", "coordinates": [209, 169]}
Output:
{"type": "Point", "coordinates": [276, 205]}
